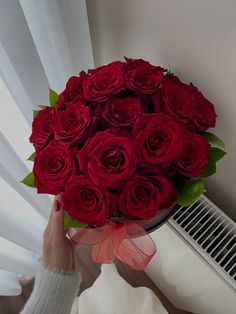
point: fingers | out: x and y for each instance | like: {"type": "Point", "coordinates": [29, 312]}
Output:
{"type": "Point", "coordinates": [57, 223]}
{"type": "Point", "coordinates": [49, 224]}
{"type": "Point", "coordinates": [53, 217]}
{"type": "Point", "coordinates": [50, 216]}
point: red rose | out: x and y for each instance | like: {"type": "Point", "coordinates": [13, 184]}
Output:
{"type": "Point", "coordinates": [146, 193]}
{"type": "Point", "coordinates": [194, 156]}
{"type": "Point", "coordinates": [104, 82]}
{"type": "Point", "coordinates": [122, 112]}
{"type": "Point", "coordinates": [132, 64]}
{"type": "Point", "coordinates": [52, 168]}
{"type": "Point", "coordinates": [42, 128]}
{"type": "Point", "coordinates": [204, 116]}
{"type": "Point", "coordinates": [191, 127]}
{"type": "Point", "coordinates": [142, 77]}
{"type": "Point", "coordinates": [158, 138]}
{"type": "Point", "coordinates": [145, 100]}
{"type": "Point", "coordinates": [72, 124]}
{"type": "Point", "coordinates": [107, 159]}
{"type": "Point", "coordinates": [72, 93]}
{"type": "Point", "coordinates": [175, 99]}
{"type": "Point", "coordinates": [86, 202]}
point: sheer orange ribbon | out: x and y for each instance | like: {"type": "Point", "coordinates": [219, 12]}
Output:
{"type": "Point", "coordinates": [126, 241]}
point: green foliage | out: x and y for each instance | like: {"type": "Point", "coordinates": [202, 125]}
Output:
{"type": "Point", "coordinates": [216, 154]}
{"type": "Point", "coordinates": [170, 71]}
{"type": "Point", "coordinates": [53, 97]}
{"type": "Point", "coordinates": [42, 106]}
{"type": "Point", "coordinates": [210, 169]}
{"type": "Point", "coordinates": [213, 139]}
{"type": "Point", "coordinates": [191, 191]}
{"type": "Point", "coordinates": [29, 180]}
{"type": "Point", "coordinates": [35, 112]}
{"type": "Point", "coordinates": [32, 156]}
{"type": "Point", "coordinates": [70, 223]}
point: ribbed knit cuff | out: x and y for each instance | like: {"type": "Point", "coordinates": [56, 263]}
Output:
{"type": "Point", "coordinates": [54, 292]}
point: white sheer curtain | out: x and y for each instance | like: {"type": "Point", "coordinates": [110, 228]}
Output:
{"type": "Point", "coordinates": [9, 284]}
{"type": "Point", "coordinates": [42, 43]}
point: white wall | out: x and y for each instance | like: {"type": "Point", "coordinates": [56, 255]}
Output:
{"type": "Point", "coordinates": [198, 38]}
{"type": "Point", "coordinates": [186, 280]}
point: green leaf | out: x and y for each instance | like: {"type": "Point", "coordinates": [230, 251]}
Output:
{"type": "Point", "coordinates": [210, 169]}
{"type": "Point", "coordinates": [170, 71]}
{"type": "Point", "coordinates": [70, 223]}
{"type": "Point", "coordinates": [216, 154]}
{"type": "Point", "coordinates": [32, 156]}
{"type": "Point", "coordinates": [53, 97]}
{"type": "Point", "coordinates": [42, 106]}
{"type": "Point", "coordinates": [213, 139]}
{"type": "Point", "coordinates": [29, 180]}
{"type": "Point", "coordinates": [191, 192]}
{"type": "Point", "coordinates": [35, 112]}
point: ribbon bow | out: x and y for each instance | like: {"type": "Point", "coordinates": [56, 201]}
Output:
{"type": "Point", "coordinates": [126, 241]}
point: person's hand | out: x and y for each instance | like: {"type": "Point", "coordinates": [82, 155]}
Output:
{"type": "Point", "coordinates": [58, 250]}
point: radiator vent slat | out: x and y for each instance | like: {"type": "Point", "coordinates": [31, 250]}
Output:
{"type": "Point", "coordinates": [216, 236]}
{"type": "Point", "coordinates": [211, 233]}
{"type": "Point", "coordinates": [220, 255]}
{"type": "Point", "coordinates": [219, 246]}
{"type": "Point", "coordinates": [227, 266]}
{"type": "Point", "coordinates": [211, 237]}
{"type": "Point", "coordinates": [195, 226]}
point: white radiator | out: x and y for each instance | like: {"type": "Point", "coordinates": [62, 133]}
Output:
{"type": "Point", "coordinates": [195, 264]}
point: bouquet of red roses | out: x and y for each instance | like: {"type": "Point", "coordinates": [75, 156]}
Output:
{"type": "Point", "coordinates": [126, 140]}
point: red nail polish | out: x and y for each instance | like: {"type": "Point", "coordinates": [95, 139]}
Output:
{"type": "Point", "coordinates": [57, 206]}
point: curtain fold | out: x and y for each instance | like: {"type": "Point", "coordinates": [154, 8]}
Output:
{"type": "Point", "coordinates": [53, 36]}
{"type": "Point", "coordinates": [13, 170]}
{"type": "Point", "coordinates": [24, 230]}
{"type": "Point", "coordinates": [13, 82]}
{"type": "Point", "coordinates": [15, 259]}
{"type": "Point", "coordinates": [42, 44]}
{"type": "Point", "coordinates": [9, 284]}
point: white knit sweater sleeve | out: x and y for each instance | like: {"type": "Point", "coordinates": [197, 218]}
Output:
{"type": "Point", "coordinates": [54, 292]}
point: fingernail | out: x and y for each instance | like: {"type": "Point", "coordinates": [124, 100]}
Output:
{"type": "Point", "coordinates": [57, 206]}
